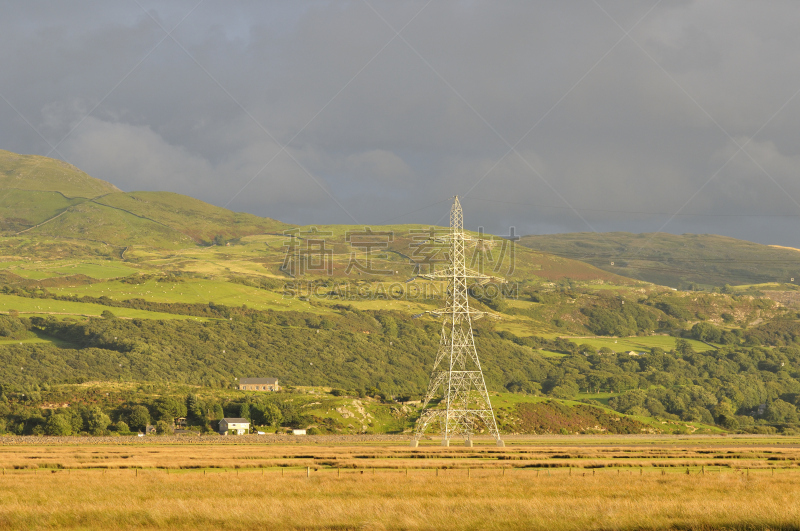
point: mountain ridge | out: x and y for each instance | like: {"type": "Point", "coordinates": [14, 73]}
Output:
{"type": "Point", "coordinates": [50, 198]}
{"type": "Point", "coordinates": [38, 173]}
{"type": "Point", "coordinates": [678, 261]}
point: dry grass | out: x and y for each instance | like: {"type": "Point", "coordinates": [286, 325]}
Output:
{"type": "Point", "coordinates": [391, 500]}
{"type": "Point", "coordinates": [595, 453]}
{"type": "Point", "coordinates": [754, 485]}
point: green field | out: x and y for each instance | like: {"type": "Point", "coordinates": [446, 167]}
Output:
{"type": "Point", "coordinates": [47, 307]}
{"type": "Point", "coordinates": [639, 343]}
{"type": "Point", "coordinates": [58, 268]}
{"type": "Point", "coordinates": [549, 354]}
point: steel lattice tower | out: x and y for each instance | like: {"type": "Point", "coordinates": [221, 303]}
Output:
{"type": "Point", "coordinates": [457, 376]}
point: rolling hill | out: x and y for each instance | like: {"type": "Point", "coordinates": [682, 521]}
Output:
{"type": "Point", "coordinates": [676, 261]}
{"type": "Point", "coordinates": [43, 174]}
{"type": "Point", "coordinates": [43, 197]}
{"type": "Point", "coordinates": [61, 203]}
{"type": "Point", "coordinates": [133, 287]}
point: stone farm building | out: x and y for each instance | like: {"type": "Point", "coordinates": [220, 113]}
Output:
{"type": "Point", "coordinates": [258, 384]}
{"type": "Point", "coordinates": [237, 426]}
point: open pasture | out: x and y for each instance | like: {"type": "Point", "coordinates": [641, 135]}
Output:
{"type": "Point", "coordinates": [329, 483]}
{"type": "Point", "coordinates": [49, 307]}
{"type": "Point", "coordinates": [638, 343]}
{"type": "Point", "coordinates": [43, 269]}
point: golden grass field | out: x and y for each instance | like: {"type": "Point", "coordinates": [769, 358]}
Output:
{"type": "Point", "coordinates": [620, 483]}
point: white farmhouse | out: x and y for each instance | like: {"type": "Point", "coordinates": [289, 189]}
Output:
{"type": "Point", "coordinates": [235, 426]}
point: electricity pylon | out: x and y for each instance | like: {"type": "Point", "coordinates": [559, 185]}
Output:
{"type": "Point", "coordinates": [457, 376]}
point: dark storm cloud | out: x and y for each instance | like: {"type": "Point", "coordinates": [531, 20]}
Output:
{"type": "Point", "coordinates": [545, 115]}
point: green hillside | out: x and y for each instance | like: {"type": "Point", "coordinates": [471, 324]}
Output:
{"type": "Point", "coordinates": [676, 261]}
{"type": "Point", "coordinates": [48, 198]}
{"type": "Point", "coordinates": [22, 209]}
{"type": "Point", "coordinates": [198, 220]}
{"type": "Point", "coordinates": [33, 172]}
{"type": "Point", "coordinates": [94, 221]}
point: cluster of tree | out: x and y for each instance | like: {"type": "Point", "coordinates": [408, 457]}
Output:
{"type": "Point", "coordinates": [349, 350]}
{"type": "Point", "coordinates": [31, 412]}
{"type": "Point", "coordinates": [12, 328]}
{"type": "Point", "coordinates": [776, 332]}
{"type": "Point", "coordinates": [621, 319]}
{"type": "Point", "coordinates": [709, 333]}
{"type": "Point", "coordinates": [616, 314]}
{"type": "Point", "coordinates": [736, 387]}
{"type": "Point", "coordinates": [388, 354]}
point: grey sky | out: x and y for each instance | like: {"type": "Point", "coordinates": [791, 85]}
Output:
{"type": "Point", "coordinates": [544, 115]}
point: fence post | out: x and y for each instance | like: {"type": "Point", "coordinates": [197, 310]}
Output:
{"type": "Point", "coordinates": [308, 471]}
